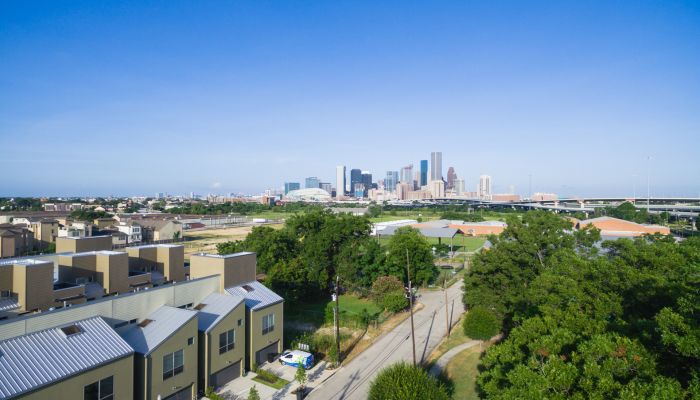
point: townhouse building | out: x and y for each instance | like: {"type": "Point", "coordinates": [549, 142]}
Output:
{"type": "Point", "coordinates": [98, 324]}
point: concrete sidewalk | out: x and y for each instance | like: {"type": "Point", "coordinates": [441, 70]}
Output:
{"type": "Point", "coordinates": [442, 362]}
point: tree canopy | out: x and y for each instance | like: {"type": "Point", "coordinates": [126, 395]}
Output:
{"type": "Point", "coordinates": [584, 320]}
{"type": "Point", "coordinates": [303, 257]}
{"type": "Point", "coordinates": [406, 382]}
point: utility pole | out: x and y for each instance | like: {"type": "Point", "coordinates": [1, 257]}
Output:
{"type": "Point", "coordinates": [336, 316]}
{"type": "Point", "coordinates": [410, 300]}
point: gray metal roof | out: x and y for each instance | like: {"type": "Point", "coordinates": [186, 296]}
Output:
{"type": "Point", "coordinates": [232, 255]}
{"type": "Point", "coordinates": [35, 360]}
{"type": "Point", "coordinates": [259, 297]}
{"type": "Point", "coordinates": [427, 232]}
{"type": "Point", "coordinates": [217, 307]}
{"type": "Point", "coordinates": [8, 304]}
{"type": "Point", "coordinates": [165, 321]}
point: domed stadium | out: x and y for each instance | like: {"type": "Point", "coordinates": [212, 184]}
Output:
{"type": "Point", "coordinates": [310, 194]}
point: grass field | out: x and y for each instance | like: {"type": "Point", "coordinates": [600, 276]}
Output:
{"type": "Point", "coordinates": [312, 314]}
{"type": "Point", "coordinates": [459, 243]}
{"type": "Point", "coordinates": [462, 372]}
{"type": "Point", "coordinates": [206, 240]}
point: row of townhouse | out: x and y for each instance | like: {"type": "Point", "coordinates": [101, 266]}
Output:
{"type": "Point", "coordinates": [139, 323]}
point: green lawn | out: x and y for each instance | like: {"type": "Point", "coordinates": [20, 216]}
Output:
{"type": "Point", "coordinates": [352, 304]}
{"type": "Point", "coordinates": [459, 243]}
{"type": "Point", "coordinates": [314, 312]}
{"type": "Point", "coordinates": [462, 371]}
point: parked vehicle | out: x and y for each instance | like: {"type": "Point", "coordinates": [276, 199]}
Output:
{"type": "Point", "coordinates": [295, 357]}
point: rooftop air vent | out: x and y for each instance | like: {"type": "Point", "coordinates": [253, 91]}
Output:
{"type": "Point", "coordinates": [71, 330]}
{"type": "Point", "coordinates": [145, 323]}
{"type": "Point", "coordinates": [247, 288]}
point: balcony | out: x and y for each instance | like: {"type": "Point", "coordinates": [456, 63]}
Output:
{"type": "Point", "coordinates": [139, 279]}
{"type": "Point", "coordinates": [65, 293]}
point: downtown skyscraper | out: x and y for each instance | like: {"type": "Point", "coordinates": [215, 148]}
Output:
{"type": "Point", "coordinates": [423, 173]}
{"type": "Point", "coordinates": [436, 166]}
{"type": "Point", "coordinates": [340, 181]}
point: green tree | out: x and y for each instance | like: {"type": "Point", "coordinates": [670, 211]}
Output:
{"type": "Point", "coordinates": [253, 393]}
{"type": "Point", "coordinates": [405, 382]}
{"type": "Point", "coordinates": [481, 324]}
{"type": "Point", "coordinates": [395, 301]}
{"type": "Point", "coordinates": [300, 376]}
{"type": "Point", "coordinates": [383, 286]}
{"type": "Point", "coordinates": [420, 256]}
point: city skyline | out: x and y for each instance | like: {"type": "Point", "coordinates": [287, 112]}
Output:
{"type": "Point", "coordinates": [252, 95]}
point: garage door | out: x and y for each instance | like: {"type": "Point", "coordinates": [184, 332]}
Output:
{"type": "Point", "coordinates": [226, 375]}
{"type": "Point", "coordinates": [184, 394]}
{"type": "Point", "coordinates": [261, 355]}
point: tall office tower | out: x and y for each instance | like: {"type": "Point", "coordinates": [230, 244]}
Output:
{"type": "Point", "coordinates": [326, 186]}
{"type": "Point", "coordinates": [367, 181]}
{"type": "Point", "coordinates": [451, 178]}
{"type": "Point", "coordinates": [436, 166]}
{"type": "Point", "coordinates": [484, 187]}
{"type": "Point", "coordinates": [392, 178]}
{"type": "Point", "coordinates": [289, 186]}
{"type": "Point", "coordinates": [312, 182]}
{"type": "Point", "coordinates": [355, 178]}
{"type": "Point", "coordinates": [339, 181]}
{"type": "Point", "coordinates": [423, 173]}
{"type": "Point", "coordinates": [407, 174]}
{"type": "Point", "coordinates": [416, 180]}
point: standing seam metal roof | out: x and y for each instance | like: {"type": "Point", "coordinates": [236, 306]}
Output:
{"type": "Point", "coordinates": [38, 359]}
{"type": "Point", "coordinates": [217, 307]}
{"type": "Point", "coordinates": [259, 297]}
{"type": "Point", "coordinates": [165, 321]}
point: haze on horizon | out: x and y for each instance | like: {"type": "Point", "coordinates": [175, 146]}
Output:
{"type": "Point", "coordinates": [135, 98]}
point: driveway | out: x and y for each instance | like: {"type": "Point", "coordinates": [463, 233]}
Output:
{"type": "Point", "coordinates": [352, 380]}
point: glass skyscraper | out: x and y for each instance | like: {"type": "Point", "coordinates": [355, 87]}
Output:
{"type": "Point", "coordinates": [312, 182]}
{"type": "Point", "coordinates": [392, 178]}
{"type": "Point", "coordinates": [423, 172]}
{"type": "Point", "coordinates": [289, 186]}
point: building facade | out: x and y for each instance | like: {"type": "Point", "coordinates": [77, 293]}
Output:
{"type": "Point", "coordinates": [436, 166]}
{"type": "Point", "coordinates": [340, 181]}
{"type": "Point", "coordinates": [312, 182]}
{"type": "Point", "coordinates": [423, 173]}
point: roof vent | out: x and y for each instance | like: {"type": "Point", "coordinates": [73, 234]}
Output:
{"type": "Point", "coordinates": [247, 288]}
{"type": "Point", "coordinates": [199, 306]}
{"type": "Point", "coordinates": [71, 330]}
{"type": "Point", "coordinates": [145, 323]}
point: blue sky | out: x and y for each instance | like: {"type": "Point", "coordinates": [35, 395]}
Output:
{"type": "Point", "coordinates": [142, 97]}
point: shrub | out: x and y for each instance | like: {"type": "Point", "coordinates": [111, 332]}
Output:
{"type": "Point", "coordinates": [267, 376]}
{"type": "Point", "coordinates": [405, 382]}
{"type": "Point", "coordinates": [253, 393]}
{"type": "Point", "coordinates": [384, 285]}
{"type": "Point", "coordinates": [395, 302]}
{"type": "Point", "coordinates": [480, 323]}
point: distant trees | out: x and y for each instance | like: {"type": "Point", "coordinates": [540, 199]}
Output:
{"type": "Point", "coordinates": [88, 215]}
{"type": "Point", "coordinates": [629, 212]}
{"type": "Point", "coordinates": [579, 324]}
{"type": "Point", "coordinates": [406, 382]}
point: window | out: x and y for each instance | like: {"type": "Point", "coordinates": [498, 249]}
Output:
{"type": "Point", "coordinates": [239, 322]}
{"type": "Point", "coordinates": [227, 341]}
{"type": "Point", "coordinates": [268, 323]}
{"type": "Point", "coordinates": [190, 341]}
{"type": "Point", "coordinates": [100, 390]}
{"type": "Point", "coordinates": [173, 364]}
